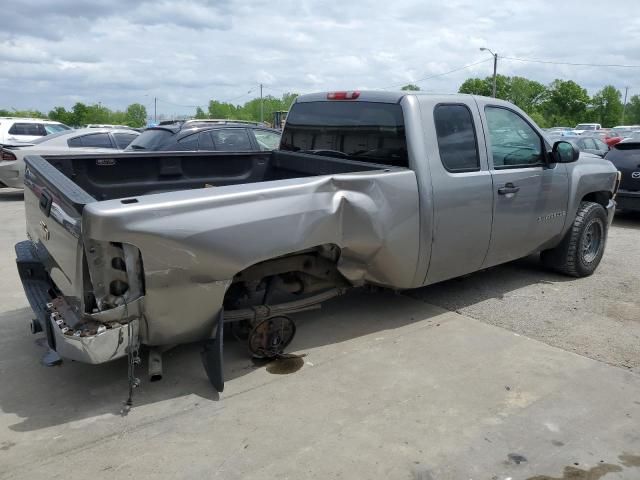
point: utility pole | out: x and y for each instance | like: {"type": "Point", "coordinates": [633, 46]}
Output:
{"type": "Point", "coordinates": [624, 105]}
{"type": "Point", "coordinates": [155, 109]}
{"type": "Point", "coordinates": [495, 67]}
{"type": "Point", "coordinates": [495, 72]}
{"type": "Point", "coordinates": [261, 105]}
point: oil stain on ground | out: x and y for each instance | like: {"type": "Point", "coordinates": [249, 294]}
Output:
{"type": "Point", "coordinates": [286, 364]}
{"type": "Point", "coordinates": [595, 473]}
{"type": "Point", "coordinates": [629, 460]}
{"type": "Point", "coordinates": [575, 473]}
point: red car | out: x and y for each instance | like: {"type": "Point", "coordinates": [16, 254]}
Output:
{"type": "Point", "coordinates": [610, 137]}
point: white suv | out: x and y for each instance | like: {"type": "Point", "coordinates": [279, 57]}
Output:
{"type": "Point", "coordinates": [15, 130]}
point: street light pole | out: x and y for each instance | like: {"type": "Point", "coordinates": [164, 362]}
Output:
{"type": "Point", "coordinates": [495, 67]}
{"type": "Point", "coordinates": [155, 109]}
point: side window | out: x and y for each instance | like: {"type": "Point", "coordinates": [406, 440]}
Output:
{"type": "Point", "coordinates": [97, 140]}
{"type": "Point", "coordinates": [456, 138]}
{"type": "Point", "coordinates": [601, 145]}
{"type": "Point", "coordinates": [204, 141]}
{"type": "Point", "coordinates": [190, 142]}
{"type": "Point", "coordinates": [231, 140]}
{"type": "Point", "coordinates": [31, 129]}
{"type": "Point", "coordinates": [75, 142]}
{"type": "Point", "coordinates": [514, 143]}
{"type": "Point", "coordinates": [124, 139]}
{"type": "Point", "coordinates": [267, 140]}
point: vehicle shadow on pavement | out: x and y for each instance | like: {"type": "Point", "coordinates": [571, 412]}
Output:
{"type": "Point", "coordinates": [627, 220]}
{"type": "Point", "coordinates": [42, 397]}
{"type": "Point", "coordinates": [495, 282]}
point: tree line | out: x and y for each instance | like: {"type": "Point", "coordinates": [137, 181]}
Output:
{"type": "Point", "coordinates": [80, 114]}
{"type": "Point", "coordinates": [250, 110]}
{"type": "Point", "coordinates": [560, 103]}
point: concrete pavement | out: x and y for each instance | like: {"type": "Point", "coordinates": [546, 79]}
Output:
{"type": "Point", "coordinates": [388, 387]}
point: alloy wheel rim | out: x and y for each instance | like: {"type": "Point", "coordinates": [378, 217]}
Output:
{"type": "Point", "coordinates": [591, 242]}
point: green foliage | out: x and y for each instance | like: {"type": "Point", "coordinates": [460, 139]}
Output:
{"type": "Point", "coordinates": [250, 110]}
{"type": "Point", "coordinates": [565, 103]}
{"type": "Point", "coordinates": [540, 119]}
{"type": "Point", "coordinates": [632, 112]}
{"type": "Point", "coordinates": [411, 88]}
{"type": "Point", "coordinates": [477, 86]}
{"type": "Point", "coordinates": [22, 113]}
{"type": "Point", "coordinates": [526, 94]}
{"type": "Point", "coordinates": [606, 106]}
{"type": "Point", "coordinates": [136, 115]}
{"type": "Point", "coordinates": [561, 103]}
{"type": "Point", "coordinates": [484, 86]}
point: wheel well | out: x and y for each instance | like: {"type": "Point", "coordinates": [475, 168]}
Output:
{"type": "Point", "coordinates": [307, 271]}
{"type": "Point", "coordinates": [598, 197]}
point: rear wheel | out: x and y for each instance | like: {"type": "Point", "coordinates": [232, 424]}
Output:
{"type": "Point", "coordinates": [582, 248]}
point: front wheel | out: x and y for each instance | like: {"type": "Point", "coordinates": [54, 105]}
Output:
{"type": "Point", "coordinates": [581, 249]}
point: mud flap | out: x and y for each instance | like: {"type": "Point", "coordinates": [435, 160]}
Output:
{"type": "Point", "coordinates": [212, 356]}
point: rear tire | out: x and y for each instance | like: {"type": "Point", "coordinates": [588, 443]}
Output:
{"type": "Point", "coordinates": [581, 250]}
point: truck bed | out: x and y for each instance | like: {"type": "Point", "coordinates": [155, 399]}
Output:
{"type": "Point", "coordinates": [113, 176]}
{"type": "Point", "coordinates": [164, 235]}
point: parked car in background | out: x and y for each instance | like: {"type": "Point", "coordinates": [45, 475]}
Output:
{"type": "Point", "coordinates": [106, 125]}
{"type": "Point", "coordinates": [625, 155]}
{"type": "Point", "coordinates": [558, 129]}
{"type": "Point", "coordinates": [88, 140]}
{"type": "Point", "coordinates": [606, 136]}
{"type": "Point", "coordinates": [584, 143]}
{"type": "Point", "coordinates": [583, 127]}
{"type": "Point", "coordinates": [192, 135]}
{"type": "Point", "coordinates": [15, 130]}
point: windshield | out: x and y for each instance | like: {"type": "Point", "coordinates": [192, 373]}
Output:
{"type": "Point", "coordinates": [150, 139]}
{"type": "Point", "coordinates": [55, 128]}
{"type": "Point", "coordinates": [586, 126]}
{"type": "Point", "coordinates": [366, 131]}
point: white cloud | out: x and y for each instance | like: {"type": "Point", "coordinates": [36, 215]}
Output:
{"type": "Point", "coordinates": [56, 52]}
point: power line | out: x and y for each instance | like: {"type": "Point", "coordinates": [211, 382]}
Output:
{"type": "Point", "coordinates": [551, 62]}
{"type": "Point", "coordinates": [441, 74]}
{"type": "Point", "coordinates": [239, 96]}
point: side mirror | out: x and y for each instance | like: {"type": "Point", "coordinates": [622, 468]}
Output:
{"type": "Point", "coordinates": [565, 152]}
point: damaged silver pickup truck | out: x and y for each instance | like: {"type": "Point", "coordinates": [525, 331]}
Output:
{"type": "Point", "coordinates": [397, 190]}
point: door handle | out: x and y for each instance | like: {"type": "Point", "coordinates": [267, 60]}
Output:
{"type": "Point", "coordinates": [508, 188]}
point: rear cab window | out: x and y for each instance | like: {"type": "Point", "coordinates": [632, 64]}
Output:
{"type": "Point", "coordinates": [365, 131]}
{"type": "Point", "coordinates": [152, 139]}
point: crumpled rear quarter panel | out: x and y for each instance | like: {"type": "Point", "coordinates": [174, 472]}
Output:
{"type": "Point", "coordinates": [193, 242]}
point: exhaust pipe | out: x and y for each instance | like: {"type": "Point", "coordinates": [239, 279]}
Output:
{"type": "Point", "coordinates": [155, 365]}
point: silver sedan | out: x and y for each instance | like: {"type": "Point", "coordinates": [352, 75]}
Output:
{"type": "Point", "coordinates": [86, 140]}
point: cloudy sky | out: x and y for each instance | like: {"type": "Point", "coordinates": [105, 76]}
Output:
{"type": "Point", "coordinates": [57, 52]}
